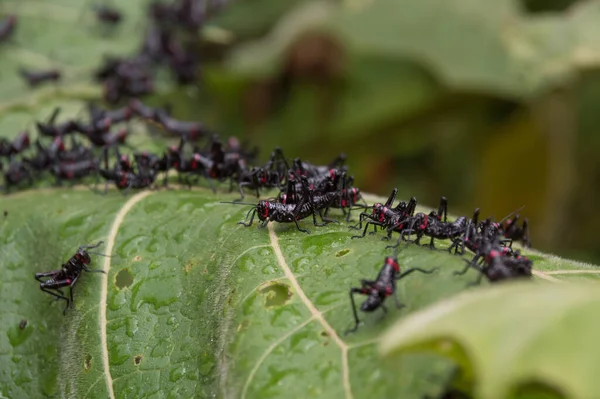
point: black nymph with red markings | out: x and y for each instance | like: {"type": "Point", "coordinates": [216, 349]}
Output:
{"type": "Point", "coordinates": [68, 275]}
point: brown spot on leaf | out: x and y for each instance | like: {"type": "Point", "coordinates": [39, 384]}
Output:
{"type": "Point", "coordinates": [137, 360]}
{"type": "Point", "coordinates": [87, 363]}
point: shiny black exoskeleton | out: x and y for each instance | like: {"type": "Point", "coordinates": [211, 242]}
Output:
{"type": "Point", "coordinates": [68, 275]}
{"type": "Point", "coordinates": [386, 216]}
{"type": "Point", "coordinates": [35, 78]}
{"type": "Point", "coordinates": [18, 145]}
{"type": "Point", "coordinates": [379, 289]}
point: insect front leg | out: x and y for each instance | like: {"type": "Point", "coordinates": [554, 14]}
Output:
{"type": "Point", "coordinates": [416, 269]}
{"type": "Point", "coordinates": [396, 300]}
{"type": "Point", "coordinates": [466, 269]}
{"type": "Point", "coordinates": [366, 228]}
{"type": "Point", "coordinates": [354, 312]}
{"type": "Point", "coordinates": [478, 281]}
{"type": "Point", "coordinates": [251, 218]}
{"type": "Point", "coordinates": [362, 217]}
{"type": "Point", "coordinates": [93, 270]}
{"type": "Point", "coordinates": [299, 228]}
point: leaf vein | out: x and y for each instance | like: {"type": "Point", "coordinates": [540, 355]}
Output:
{"type": "Point", "coordinates": [114, 229]}
{"type": "Point", "coordinates": [313, 310]}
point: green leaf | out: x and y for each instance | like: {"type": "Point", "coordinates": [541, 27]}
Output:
{"type": "Point", "coordinates": [510, 337]}
{"type": "Point", "coordinates": [469, 45]}
{"type": "Point", "coordinates": [194, 304]}
{"type": "Point", "coordinates": [65, 36]}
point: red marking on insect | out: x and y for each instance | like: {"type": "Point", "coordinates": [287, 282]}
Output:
{"type": "Point", "coordinates": [332, 173]}
{"type": "Point", "coordinates": [195, 161]}
{"type": "Point", "coordinates": [393, 263]}
{"type": "Point", "coordinates": [425, 222]}
{"type": "Point", "coordinates": [263, 179]}
{"type": "Point", "coordinates": [355, 195]}
{"type": "Point", "coordinates": [123, 181]}
{"type": "Point", "coordinates": [344, 203]}
{"type": "Point", "coordinates": [59, 143]}
{"type": "Point", "coordinates": [494, 254]}
{"type": "Point", "coordinates": [388, 291]}
{"type": "Point", "coordinates": [70, 174]}
{"type": "Point", "coordinates": [69, 281]}
{"type": "Point", "coordinates": [266, 214]}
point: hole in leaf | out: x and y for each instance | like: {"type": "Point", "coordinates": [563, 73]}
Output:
{"type": "Point", "coordinates": [123, 279]}
{"type": "Point", "coordinates": [137, 258]}
{"type": "Point", "coordinates": [537, 390]}
{"type": "Point", "coordinates": [137, 360]}
{"type": "Point", "coordinates": [276, 294]}
{"type": "Point", "coordinates": [87, 363]}
{"type": "Point", "coordinates": [544, 6]}
{"type": "Point", "coordinates": [342, 253]}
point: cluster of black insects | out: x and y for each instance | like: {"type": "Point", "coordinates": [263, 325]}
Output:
{"type": "Point", "coordinates": [316, 189]}
{"type": "Point", "coordinates": [171, 40]}
{"type": "Point", "coordinates": [215, 161]}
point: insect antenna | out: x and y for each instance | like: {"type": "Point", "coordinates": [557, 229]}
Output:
{"type": "Point", "coordinates": [97, 253]}
{"type": "Point", "coordinates": [92, 246]}
{"type": "Point", "coordinates": [511, 214]}
{"type": "Point", "coordinates": [236, 203]}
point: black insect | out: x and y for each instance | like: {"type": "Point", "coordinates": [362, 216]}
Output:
{"type": "Point", "coordinates": [16, 173]}
{"type": "Point", "coordinates": [379, 289]}
{"type": "Point", "coordinates": [386, 216]}
{"type": "Point", "coordinates": [46, 156]}
{"type": "Point", "coordinates": [188, 130]}
{"type": "Point", "coordinates": [7, 27]}
{"type": "Point", "coordinates": [107, 15]}
{"type": "Point", "coordinates": [306, 169]}
{"type": "Point", "coordinates": [34, 78]}
{"type": "Point", "coordinates": [512, 231]}
{"type": "Point", "coordinates": [271, 175]}
{"type": "Point", "coordinates": [499, 268]}
{"type": "Point", "coordinates": [499, 262]}
{"type": "Point", "coordinates": [471, 238]}
{"type": "Point", "coordinates": [287, 213]}
{"type": "Point", "coordinates": [126, 180]}
{"type": "Point", "coordinates": [73, 170]}
{"type": "Point", "coordinates": [50, 129]}
{"type": "Point", "coordinates": [108, 139]}
{"type": "Point", "coordinates": [432, 225]}
{"type": "Point", "coordinates": [23, 324]}
{"type": "Point", "coordinates": [68, 275]}
{"type": "Point", "coordinates": [18, 145]}
{"type": "Point", "coordinates": [346, 199]}
{"type": "Point", "coordinates": [114, 116]}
